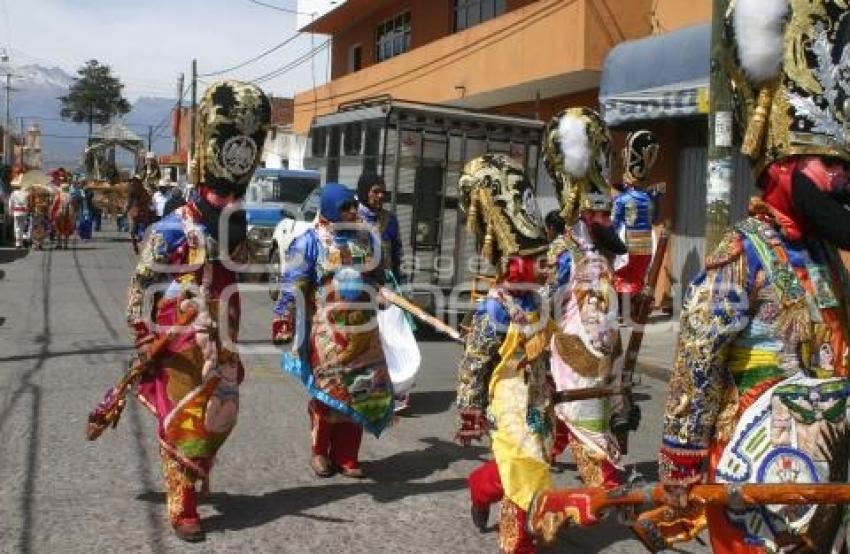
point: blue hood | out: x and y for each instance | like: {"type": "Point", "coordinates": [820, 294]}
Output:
{"type": "Point", "coordinates": [334, 196]}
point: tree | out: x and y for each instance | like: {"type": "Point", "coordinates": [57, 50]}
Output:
{"type": "Point", "coordinates": [94, 96]}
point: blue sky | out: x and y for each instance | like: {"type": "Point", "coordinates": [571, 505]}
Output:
{"type": "Point", "coordinates": [148, 43]}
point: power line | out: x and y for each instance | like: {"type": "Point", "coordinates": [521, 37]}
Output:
{"type": "Point", "coordinates": [278, 8]}
{"type": "Point", "coordinates": [291, 65]}
{"type": "Point", "coordinates": [259, 56]}
{"type": "Point", "coordinates": [164, 120]}
{"type": "Point", "coordinates": [44, 118]}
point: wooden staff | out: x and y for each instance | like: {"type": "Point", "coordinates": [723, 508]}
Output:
{"type": "Point", "coordinates": [640, 311]}
{"type": "Point", "coordinates": [419, 313]}
{"type": "Point", "coordinates": [553, 509]}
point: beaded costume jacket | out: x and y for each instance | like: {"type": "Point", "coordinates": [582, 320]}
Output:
{"type": "Point", "coordinates": [765, 309]}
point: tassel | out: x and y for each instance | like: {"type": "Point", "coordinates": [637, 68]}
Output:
{"type": "Point", "coordinates": [472, 216]}
{"type": "Point", "coordinates": [754, 137]}
{"type": "Point", "coordinates": [487, 248]}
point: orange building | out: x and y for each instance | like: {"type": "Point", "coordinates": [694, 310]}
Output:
{"type": "Point", "coordinates": [528, 58]}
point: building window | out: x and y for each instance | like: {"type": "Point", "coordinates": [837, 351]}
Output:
{"type": "Point", "coordinates": [393, 37]}
{"type": "Point", "coordinates": [472, 12]}
{"type": "Point", "coordinates": [352, 139]}
{"type": "Point", "coordinates": [355, 58]}
{"type": "Point", "coordinates": [319, 142]}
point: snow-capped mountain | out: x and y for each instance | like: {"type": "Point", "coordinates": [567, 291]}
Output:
{"type": "Point", "coordinates": [28, 77]}
{"type": "Point", "coordinates": [35, 99]}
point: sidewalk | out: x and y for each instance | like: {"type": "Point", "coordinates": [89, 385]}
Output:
{"type": "Point", "coordinates": [658, 348]}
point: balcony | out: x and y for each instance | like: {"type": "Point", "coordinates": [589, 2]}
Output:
{"type": "Point", "coordinates": [548, 48]}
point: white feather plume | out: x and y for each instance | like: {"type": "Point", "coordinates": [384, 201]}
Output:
{"type": "Point", "coordinates": [759, 29]}
{"type": "Point", "coordinates": [572, 133]}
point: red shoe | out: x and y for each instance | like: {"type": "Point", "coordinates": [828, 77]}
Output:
{"type": "Point", "coordinates": [354, 472]}
{"type": "Point", "coordinates": [189, 530]}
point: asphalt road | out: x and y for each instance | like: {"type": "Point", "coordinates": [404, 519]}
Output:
{"type": "Point", "coordinates": [63, 342]}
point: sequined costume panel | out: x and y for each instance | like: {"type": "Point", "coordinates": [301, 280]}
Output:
{"type": "Point", "coordinates": [512, 341]}
{"type": "Point", "coordinates": [194, 392]}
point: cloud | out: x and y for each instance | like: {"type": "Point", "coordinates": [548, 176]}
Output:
{"type": "Point", "coordinates": [149, 44]}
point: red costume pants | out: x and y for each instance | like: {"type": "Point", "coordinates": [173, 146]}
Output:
{"type": "Point", "coordinates": [181, 497]}
{"type": "Point", "coordinates": [630, 278]}
{"type": "Point", "coordinates": [334, 436]}
{"type": "Point", "coordinates": [485, 488]}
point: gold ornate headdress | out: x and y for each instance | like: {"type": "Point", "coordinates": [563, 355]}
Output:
{"type": "Point", "coordinates": [232, 121]}
{"type": "Point", "coordinates": [501, 208]}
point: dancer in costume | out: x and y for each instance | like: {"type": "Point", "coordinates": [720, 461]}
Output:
{"type": "Point", "coordinates": [502, 382]}
{"type": "Point", "coordinates": [586, 349]}
{"type": "Point", "coordinates": [759, 385]}
{"type": "Point", "coordinates": [64, 216]}
{"type": "Point", "coordinates": [151, 173]}
{"type": "Point", "coordinates": [371, 192]}
{"type": "Point", "coordinates": [138, 210]}
{"type": "Point", "coordinates": [327, 304]}
{"type": "Point", "coordinates": [41, 201]}
{"type": "Point", "coordinates": [19, 206]}
{"type": "Point", "coordinates": [193, 390]}
{"type": "Point", "coordinates": [634, 214]}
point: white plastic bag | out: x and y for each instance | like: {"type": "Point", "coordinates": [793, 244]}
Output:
{"type": "Point", "coordinates": [400, 349]}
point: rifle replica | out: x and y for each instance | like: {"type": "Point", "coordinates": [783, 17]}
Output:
{"type": "Point", "coordinates": [641, 307]}
{"type": "Point", "coordinates": [108, 411]}
{"type": "Point", "coordinates": [553, 509]}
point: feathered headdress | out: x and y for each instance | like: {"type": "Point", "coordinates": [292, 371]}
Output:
{"type": "Point", "coordinates": [790, 67]}
{"type": "Point", "coordinates": [577, 152]}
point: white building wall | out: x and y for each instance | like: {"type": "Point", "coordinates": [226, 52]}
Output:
{"type": "Point", "coordinates": [282, 149]}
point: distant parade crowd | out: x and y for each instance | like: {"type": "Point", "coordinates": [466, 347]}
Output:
{"type": "Point", "coordinates": [57, 208]}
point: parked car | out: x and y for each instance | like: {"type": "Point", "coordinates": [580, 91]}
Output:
{"type": "Point", "coordinates": [287, 230]}
{"type": "Point", "coordinates": [272, 196]}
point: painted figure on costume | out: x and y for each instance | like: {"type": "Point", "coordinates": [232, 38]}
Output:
{"type": "Point", "coordinates": [328, 306]}
{"type": "Point", "coordinates": [634, 213]}
{"type": "Point", "coordinates": [502, 381]}
{"type": "Point", "coordinates": [194, 389]}
{"type": "Point", "coordinates": [586, 349]}
{"type": "Point", "coordinates": [759, 387]}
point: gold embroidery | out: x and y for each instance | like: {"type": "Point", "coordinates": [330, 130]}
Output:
{"type": "Point", "coordinates": [571, 347]}
{"type": "Point", "coordinates": [509, 531]}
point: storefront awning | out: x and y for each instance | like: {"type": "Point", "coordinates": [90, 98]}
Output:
{"type": "Point", "coordinates": [658, 77]}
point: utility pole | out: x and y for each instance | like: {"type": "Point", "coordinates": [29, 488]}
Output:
{"type": "Point", "coordinates": [720, 161]}
{"type": "Point", "coordinates": [150, 138]}
{"type": "Point", "coordinates": [178, 114]}
{"type": "Point", "coordinates": [7, 136]}
{"type": "Point", "coordinates": [193, 121]}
